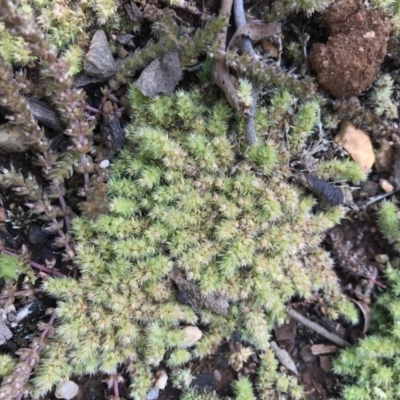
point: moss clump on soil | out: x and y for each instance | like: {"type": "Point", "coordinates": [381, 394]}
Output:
{"type": "Point", "coordinates": [372, 368]}
{"type": "Point", "coordinates": [185, 198]}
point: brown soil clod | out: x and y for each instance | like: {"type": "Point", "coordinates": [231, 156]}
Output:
{"type": "Point", "coordinates": [349, 62]}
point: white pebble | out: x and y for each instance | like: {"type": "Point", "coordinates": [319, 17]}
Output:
{"type": "Point", "coordinates": [153, 393]}
{"type": "Point", "coordinates": [193, 334]}
{"type": "Point", "coordinates": [66, 390]}
{"type": "Point", "coordinates": [162, 378]}
{"type": "Point", "coordinates": [104, 164]}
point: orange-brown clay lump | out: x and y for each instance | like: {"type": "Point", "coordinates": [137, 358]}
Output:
{"type": "Point", "coordinates": [349, 62]}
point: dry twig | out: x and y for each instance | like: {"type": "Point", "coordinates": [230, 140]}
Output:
{"type": "Point", "coordinates": [317, 328]}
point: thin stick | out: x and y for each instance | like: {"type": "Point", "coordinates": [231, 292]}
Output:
{"type": "Point", "coordinates": [373, 200]}
{"type": "Point", "coordinates": [220, 71]}
{"type": "Point", "coordinates": [317, 328]}
{"type": "Point", "coordinates": [247, 47]}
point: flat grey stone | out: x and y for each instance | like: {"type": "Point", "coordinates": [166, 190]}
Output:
{"type": "Point", "coordinates": [160, 76]}
{"type": "Point", "coordinates": [99, 61]}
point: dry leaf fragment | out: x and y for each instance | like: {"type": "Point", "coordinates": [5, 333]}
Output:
{"type": "Point", "coordinates": [366, 311]}
{"type": "Point", "coordinates": [255, 31]}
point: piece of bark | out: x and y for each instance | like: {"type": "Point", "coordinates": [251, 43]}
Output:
{"type": "Point", "coordinates": [5, 333]}
{"type": "Point", "coordinates": [133, 12]}
{"type": "Point", "coordinates": [193, 296]}
{"type": "Point", "coordinates": [283, 357]}
{"type": "Point", "coordinates": [45, 114]}
{"type": "Point", "coordinates": [318, 349]}
{"type": "Point", "coordinates": [323, 190]}
{"type": "Point", "coordinates": [111, 130]}
{"type": "Point", "coordinates": [220, 72]}
{"type": "Point", "coordinates": [366, 311]}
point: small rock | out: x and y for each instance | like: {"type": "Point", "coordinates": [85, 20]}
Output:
{"type": "Point", "coordinates": [325, 363]}
{"type": "Point", "coordinates": [357, 143]}
{"type": "Point", "coordinates": [153, 393]}
{"type": "Point", "coordinates": [385, 157]}
{"type": "Point", "coordinates": [161, 76]}
{"type": "Point", "coordinates": [104, 164]}
{"type": "Point", "coordinates": [124, 38]}
{"type": "Point", "coordinates": [99, 61]}
{"type": "Point", "coordinates": [386, 185]}
{"type": "Point", "coordinates": [217, 375]}
{"type": "Point", "coordinates": [193, 334]}
{"type": "Point", "coordinates": [66, 390]}
{"type": "Point", "coordinates": [369, 189]}
{"type": "Point", "coordinates": [12, 139]}
{"type": "Point", "coordinates": [382, 258]}
{"type": "Point", "coordinates": [162, 378]}
{"type": "Point", "coordinates": [306, 354]}
{"type": "Point", "coordinates": [369, 35]}
{"type": "Point", "coordinates": [122, 53]}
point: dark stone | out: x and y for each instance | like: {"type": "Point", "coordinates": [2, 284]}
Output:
{"type": "Point", "coordinates": [8, 239]}
{"type": "Point", "coordinates": [37, 236]}
{"type": "Point", "coordinates": [203, 381]}
{"type": "Point", "coordinates": [325, 191]}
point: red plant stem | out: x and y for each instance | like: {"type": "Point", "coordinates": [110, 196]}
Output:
{"type": "Point", "coordinates": [36, 265]}
{"type": "Point", "coordinates": [116, 388]}
{"type": "Point", "coordinates": [61, 234]}
{"type": "Point", "coordinates": [377, 283]}
{"type": "Point", "coordinates": [61, 199]}
{"type": "Point", "coordinates": [50, 324]}
{"type": "Point", "coordinates": [21, 293]}
{"type": "Point", "coordinates": [92, 109]}
{"type": "Point", "coordinates": [45, 269]}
